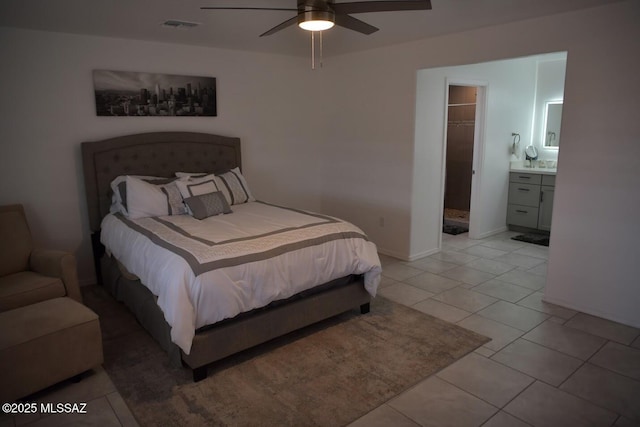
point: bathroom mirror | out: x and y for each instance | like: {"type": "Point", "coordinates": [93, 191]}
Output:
{"type": "Point", "coordinates": [552, 120]}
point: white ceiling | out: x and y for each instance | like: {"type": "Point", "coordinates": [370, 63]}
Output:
{"type": "Point", "coordinates": [230, 29]}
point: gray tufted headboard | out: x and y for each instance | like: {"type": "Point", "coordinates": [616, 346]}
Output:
{"type": "Point", "coordinates": [155, 154]}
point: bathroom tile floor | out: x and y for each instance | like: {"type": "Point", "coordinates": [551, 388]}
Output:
{"type": "Point", "coordinates": [545, 365]}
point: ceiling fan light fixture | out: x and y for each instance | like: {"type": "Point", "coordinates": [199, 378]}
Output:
{"type": "Point", "coordinates": [316, 20]}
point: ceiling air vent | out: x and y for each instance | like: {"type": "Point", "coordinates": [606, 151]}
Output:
{"type": "Point", "coordinates": [174, 23]}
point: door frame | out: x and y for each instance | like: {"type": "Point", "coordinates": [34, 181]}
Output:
{"type": "Point", "coordinates": [478, 151]}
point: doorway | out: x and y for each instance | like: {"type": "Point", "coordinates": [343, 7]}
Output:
{"type": "Point", "coordinates": [462, 101]}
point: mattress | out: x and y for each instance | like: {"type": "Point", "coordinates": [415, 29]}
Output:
{"type": "Point", "coordinates": [205, 271]}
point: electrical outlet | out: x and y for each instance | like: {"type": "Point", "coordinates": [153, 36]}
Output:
{"type": "Point", "coordinates": [381, 221]}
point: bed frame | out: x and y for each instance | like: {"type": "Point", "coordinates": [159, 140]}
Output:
{"type": "Point", "coordinates": [163, 154]}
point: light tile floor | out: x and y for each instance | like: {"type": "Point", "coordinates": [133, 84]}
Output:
{"type": "Point", "coordinates": [545, 365]}
{"type": "Point", "coordinates": [104, 405]}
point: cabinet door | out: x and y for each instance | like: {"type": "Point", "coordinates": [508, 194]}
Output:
{"type": "Point", "coordinates": [523, 216]}
{"type": "Point", "coordinates": [549, 180]}
{"type": "Point", "coordinates": [525, 178]}
{"type": "Point", "coordinates": [524, 194]}
{"type": "Point", "coordinates": [546, 207]}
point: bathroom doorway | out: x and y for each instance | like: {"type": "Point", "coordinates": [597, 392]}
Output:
{"type": "Point", "coordinates": [460, 142]}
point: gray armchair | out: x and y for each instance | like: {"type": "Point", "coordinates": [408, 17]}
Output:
{"type": "Point", "coordinates": [28, 276]}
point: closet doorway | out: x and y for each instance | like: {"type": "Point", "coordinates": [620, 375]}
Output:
{"type": "Point", "coordinates": [462, 114]}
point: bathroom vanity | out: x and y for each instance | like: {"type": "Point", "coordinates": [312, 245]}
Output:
{"type": "Point", "coordinates": [532, 177]}
{"type": "Point", "coordinates": [530, 198]}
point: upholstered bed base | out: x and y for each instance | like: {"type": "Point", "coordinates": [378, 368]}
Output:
{"type": "Point", "coordinates": [162, 154]}
{"type": "Point", "coordinates": [234, 335]}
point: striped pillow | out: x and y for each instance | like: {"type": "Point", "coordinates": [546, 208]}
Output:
{"type": "Point", "coordinates": [236, 187]}
{"type": "Point", "coordinates": [232, 184]}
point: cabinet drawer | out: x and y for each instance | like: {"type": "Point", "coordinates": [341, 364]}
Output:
{"type": "Point", "coordinates": [524, 194]}
{"type": "Point", "coordinates": [525, 178]}
{"type": "Point", "coordinates": [524, 216]}
{"type": "Point", "coordinates": [549, 180]}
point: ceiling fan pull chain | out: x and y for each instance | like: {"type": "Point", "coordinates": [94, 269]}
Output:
{"type": "Point", "coordinates": [321, 47]}
{"type": "Point", "coordinates": [313, 50]}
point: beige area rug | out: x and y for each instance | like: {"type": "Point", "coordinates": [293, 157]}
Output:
{"type": "Point", "coordinates": [329, 374]}
{"type": "Point", "coordinates": [456, 214]}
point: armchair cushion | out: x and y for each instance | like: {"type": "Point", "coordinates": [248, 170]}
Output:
{"type": "Point", "coordinates": [61, 265]}
{"type": "Point", "coordinates": [28, 276]}
{"type": "Point", "coordinates": [26, 288]}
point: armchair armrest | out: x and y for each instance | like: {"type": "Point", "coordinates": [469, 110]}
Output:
{"type": "Point", "coordinates": [58, 264]}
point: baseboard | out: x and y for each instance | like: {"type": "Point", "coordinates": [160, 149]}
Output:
{"type": "Point", "coordinates": [408, 258]}
{"type": "Point", "coordinates": [394, 254]}
{"type": "Point", "coordinates": [423, 254]}
{"type": "Point", "coordinates": [490, 233]}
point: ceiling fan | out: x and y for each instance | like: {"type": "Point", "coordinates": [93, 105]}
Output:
{"type": "Point", "coordinates": [318, 15]}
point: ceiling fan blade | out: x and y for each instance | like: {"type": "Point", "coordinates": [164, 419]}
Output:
{"type": "Point", "coordinates": [281, 26]}
{"type": "Point", "coordinates": [354, 24]}
{"type": "Point", "coordinates": [381, 6]}
{"type": "Point", "coordinates": [245, 8]}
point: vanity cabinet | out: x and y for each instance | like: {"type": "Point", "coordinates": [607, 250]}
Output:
{"type": "Point", "coordinates": [547, 189]}
{"type": "Point", "coordinates": [530, 200]}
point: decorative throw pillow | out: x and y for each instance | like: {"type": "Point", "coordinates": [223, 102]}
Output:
{"type": "Point", "coordinates": [206, 205]}
{"type": "Point", "coordinates": [174, 199]}
{"type": "Point", "coordinates": [236, 186]}
{"type": "Point", "coordinates": [232, 184]}
{"type": "Point", "coordinates": [197, 186]}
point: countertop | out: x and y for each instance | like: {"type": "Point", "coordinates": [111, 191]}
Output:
{"type": "Point", "coordinates": [541, 171]}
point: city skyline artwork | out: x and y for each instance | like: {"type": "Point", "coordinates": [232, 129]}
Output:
{"type": "Point", "coordinates": [127, 93]}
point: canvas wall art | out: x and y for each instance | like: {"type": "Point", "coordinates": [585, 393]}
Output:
{"type": "Point", "coordinates": [127, 93]}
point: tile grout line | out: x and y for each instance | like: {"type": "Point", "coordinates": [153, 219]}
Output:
{"type": "Point", "coordinates": [607, 369]}
{"type": "Point", "coordinates": [470, 393]}
{"type": "Point", "coordinates": [500, 409]}
{"type": "Point", "coordinates": [582, 362]}
{"type": "Point", "coordinates": [584, 399]}
{"type": "Point", "coordinates": [112, 408]}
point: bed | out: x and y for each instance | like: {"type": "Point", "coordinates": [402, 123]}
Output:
{"type": "Point", "coordinates": [143, 261]}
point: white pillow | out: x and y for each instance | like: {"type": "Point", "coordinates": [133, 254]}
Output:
{"type": "Point", "coordinates": [117, 204]}
{"type": "Point", "coordinates": [145, 199]}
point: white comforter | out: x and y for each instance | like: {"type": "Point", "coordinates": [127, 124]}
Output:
{"type": "Point", "coordinates": [206, 271]}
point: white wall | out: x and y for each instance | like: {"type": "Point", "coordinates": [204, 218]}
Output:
{"type": "Point", "coordinates": [370, 122]}
{"type": "Point", "coordinates": [593, 256]}
{"type": "Point", "coordinates": [509, 99]}
{"type": "Point", "coordinates": [593, 263]}
{"type": "Point", "coordinates": [48, 109]}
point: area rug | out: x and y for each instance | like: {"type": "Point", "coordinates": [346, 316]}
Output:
{"type": "Point", "coordinates": [536, 239]}
{"type": "Point", "coordinates": [456, 214]}
{"type": "Point", "coordinates": [329, 374]}
{"type": "Point", "coordinates": [454, 229]}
